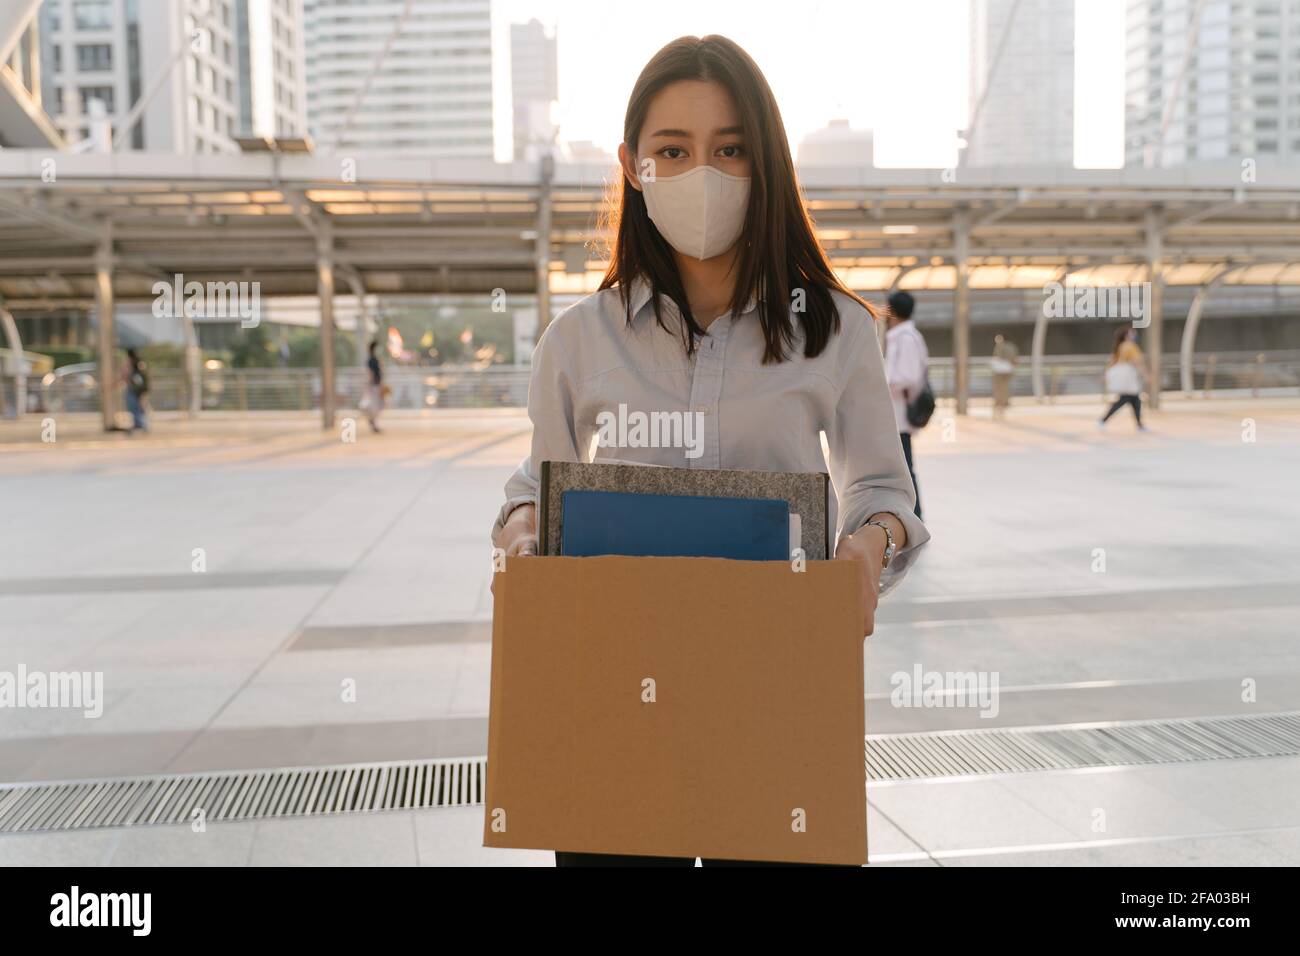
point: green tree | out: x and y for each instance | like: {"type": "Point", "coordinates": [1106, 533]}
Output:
{"type": "Point", "coordinates": [253, 349]}
{"type": "Point", "coordinates": [304, 349]}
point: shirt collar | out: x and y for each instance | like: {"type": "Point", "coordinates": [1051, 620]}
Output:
{"type": "Point", "coordinates": [639, 297]}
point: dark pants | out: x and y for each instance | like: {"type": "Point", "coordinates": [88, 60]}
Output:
{"type": "Point", "coordinates": [610, 859]}
{"type": "Point", "coordinates": [1134, 400]}
{"type": "Point", "coordinates": [907, 454]}
{"type": "Point", "coordinates": [135, 405]}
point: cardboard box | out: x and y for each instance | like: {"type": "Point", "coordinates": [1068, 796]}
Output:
{"type": "Point", "coordinates": [678, 707]}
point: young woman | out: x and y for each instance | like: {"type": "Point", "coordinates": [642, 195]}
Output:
{"type": "Point", "coordinates": [373, 401]}
{"type": "Point", "coordinates": [719, 303]}
{"type": "Point", "coordinates": [1125, 375]}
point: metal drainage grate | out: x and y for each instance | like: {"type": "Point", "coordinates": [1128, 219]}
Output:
{"type": "Point", "coordinates": [241, 795]}
{"type": "Point", "coordinates": [953, 753]}
{"type": "Point", "coordinates": [415, 785]}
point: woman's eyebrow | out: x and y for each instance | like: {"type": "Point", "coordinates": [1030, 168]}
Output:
{"type": "Point", "coordinates": [723, 131]}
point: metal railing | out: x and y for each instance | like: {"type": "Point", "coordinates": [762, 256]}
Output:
{"type": "Point", "coordinates": [298, 389]}
{"type": "Point", "coordinates": [1081, 375]}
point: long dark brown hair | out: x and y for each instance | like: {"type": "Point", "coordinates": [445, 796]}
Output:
{"type": "Point", "coordinates": [779, 252]}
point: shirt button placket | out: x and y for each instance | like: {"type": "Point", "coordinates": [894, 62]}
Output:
{"type": "Point", "coordinates": [706, 390]}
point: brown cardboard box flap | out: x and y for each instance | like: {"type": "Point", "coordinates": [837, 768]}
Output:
{"type": "Point", "coordinates": [678, 707]}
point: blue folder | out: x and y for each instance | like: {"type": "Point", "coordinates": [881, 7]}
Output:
{"type": "Point", "coordinates": [610, 522]}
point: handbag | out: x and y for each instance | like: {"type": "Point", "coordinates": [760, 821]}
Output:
{"type": "Point", "coordinates": [921, 408]}
{"type": "Point", "coordinates": [1122, 378]}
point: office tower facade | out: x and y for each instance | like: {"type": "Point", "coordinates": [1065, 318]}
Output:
{"type": "Point", "coordinates": [534, 87]}
{"type": "Point", "coordinates": [90, 45]}
{"type": "Point", "coordinates": [1021, 83]}
{"type": "Point", "coordinates": [207, 70]}
{"type": "Point", "coordinates": [24, 79]}
{"type": "Point", "coordinates": [400, 77]}
{"type": "Point", "coordinates": [1219, 87]}
{"type": "Point", "coordinates": [272, 65]}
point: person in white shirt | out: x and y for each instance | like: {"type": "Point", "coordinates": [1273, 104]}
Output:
{"type": "Point", "coordinates": [906, 362]}
{"type": "Point", "coordinates": [720, 301]}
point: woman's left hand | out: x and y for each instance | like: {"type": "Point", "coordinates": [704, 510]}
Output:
{"type": "Point", "coordinates": [867, 545]}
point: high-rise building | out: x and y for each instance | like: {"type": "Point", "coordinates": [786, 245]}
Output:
{"type": "Point", "coordinates": [24, 79]}
{"type": "Point", "coordinates": [401, 76]}
{"type": "Point", "coordinates": [534, 87]}
{"type": "Point", "coordinates": [207, 70]}
{"type": "Point", "coordinates": [272, 66]}
{"type": "Point", "coordinates": [838, 144]}
{"type": "Point", "coordinates": [1224, 86]}
{"type": "Point", "coordinates": [1021, 83]}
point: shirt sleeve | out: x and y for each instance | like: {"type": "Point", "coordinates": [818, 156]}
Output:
{"type": "Point", "coordinates": [866, 457]}
{"type": "Point", "coordinates": [551, 401]}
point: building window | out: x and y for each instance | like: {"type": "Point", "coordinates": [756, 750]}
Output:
{"type": "Point", "coordinates": [94, 56]}
{"type": "Point", "coordinates": [102, 93]}
{"type": "Point", "coordinates": [92, 14]}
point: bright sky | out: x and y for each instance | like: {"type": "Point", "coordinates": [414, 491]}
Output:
{"type": "Point", "coordinates": [898, 68]}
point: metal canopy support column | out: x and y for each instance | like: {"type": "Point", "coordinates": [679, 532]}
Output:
{"type": "Point", "coordinates": [1156, 301]}
{"type": "Point", "coordinates": [16, 357]}
{"type": "Point", "coordinates": [543, 251]}
{"type": "Point", "coordinates": [107, 338]}
{"type": "Point", "coordinates": [1036, 349]}
{"type": "Point", "coordinates": [1187, 348]}
{"type": "Point", "coordinates": [193, 363]}
{"type": "Point", "coordinates": [1039, 344]}
{"type": "Point", "coordinates": [325, 293]}
{"type": "Point", "coordinates": [961, 309]}
{"type": "Point", "coordinates": [362, 332]}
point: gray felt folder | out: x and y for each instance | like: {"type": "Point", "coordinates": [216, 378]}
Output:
{"type": "Point", "coordinates": [807, 494]}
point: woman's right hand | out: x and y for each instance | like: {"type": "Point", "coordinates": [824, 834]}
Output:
{"type": "Point", "coordinates": [519, 533]}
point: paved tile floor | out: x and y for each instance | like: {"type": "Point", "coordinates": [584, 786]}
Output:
{"type": "Point", "coordinates": [230, 577]}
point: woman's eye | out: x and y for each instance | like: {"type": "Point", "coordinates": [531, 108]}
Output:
{"type": "Point", "coordinates": [731, 152]}
{"type": "Point", "coordinates": [672, 152]}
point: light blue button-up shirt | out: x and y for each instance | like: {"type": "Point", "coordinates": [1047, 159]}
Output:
{"type": "Point", "coordinates": [751, 416]}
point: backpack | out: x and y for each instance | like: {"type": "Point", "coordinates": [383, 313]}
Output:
{"type": "Point", "coordinates": [921, 408]}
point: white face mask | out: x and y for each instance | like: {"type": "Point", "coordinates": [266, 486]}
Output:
{"type": "Point", "coordinates": [700, 212]}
